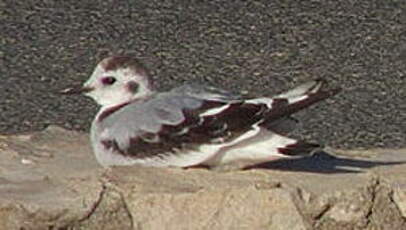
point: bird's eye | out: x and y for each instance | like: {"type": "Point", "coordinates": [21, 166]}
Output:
{"type": "Point", "coordinates": [108, 80]}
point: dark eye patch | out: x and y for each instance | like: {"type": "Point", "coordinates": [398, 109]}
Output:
{"type": "Point", "coordinates": [132, 86]}
{"type": "Point", "coordinates": [108, 80]}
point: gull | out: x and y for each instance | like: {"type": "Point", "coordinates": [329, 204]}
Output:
{"type": "Point", "coordinates": [191, 125]}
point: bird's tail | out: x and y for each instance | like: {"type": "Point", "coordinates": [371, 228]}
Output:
{"type": "Point", "coordinates": [299, 98]}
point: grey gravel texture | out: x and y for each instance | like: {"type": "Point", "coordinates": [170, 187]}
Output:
{"type": "Point", "coordinates": [260, 47]}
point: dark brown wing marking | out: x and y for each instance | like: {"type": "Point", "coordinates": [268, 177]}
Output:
{"type": "Point", "coordinates": [194, 130]}
{"type": "Point", "coordinates": [282, 108]}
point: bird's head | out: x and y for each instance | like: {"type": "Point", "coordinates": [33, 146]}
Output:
{"type": "Point", "coordinates": [116, 80]}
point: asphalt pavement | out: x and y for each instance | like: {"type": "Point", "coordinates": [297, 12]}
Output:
{"type": "Point", "coordinates": [259, 47]}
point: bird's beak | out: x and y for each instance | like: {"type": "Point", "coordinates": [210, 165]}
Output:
{"type": "Point", "coordinates": [76, 90]}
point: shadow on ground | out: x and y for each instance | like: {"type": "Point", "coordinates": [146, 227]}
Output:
{"type": "Point", "coordinates": [323, 162]}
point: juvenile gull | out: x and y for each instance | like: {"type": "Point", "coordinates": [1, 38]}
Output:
{"type": "Point", "coordinates": [192, 125]}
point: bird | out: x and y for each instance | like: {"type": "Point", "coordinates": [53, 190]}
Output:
{"type": "Point", "coordinates": [192, 125]}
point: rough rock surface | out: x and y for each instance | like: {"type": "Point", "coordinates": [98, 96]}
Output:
{"type": "Point", "coordinates": [50, 180]}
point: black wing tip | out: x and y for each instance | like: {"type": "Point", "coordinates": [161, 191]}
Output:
{"type": "Point", "coordinates": [321, 95]}
{"type": "Point", "coordinates": [323, 85]}
{"type": "Point", "coordinates": [300, 148]}
{"type": "Point", "coordinates": [282, 108]}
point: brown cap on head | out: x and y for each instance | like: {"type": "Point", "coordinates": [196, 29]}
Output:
{"type": "Point", "coordinates": [116, 62]}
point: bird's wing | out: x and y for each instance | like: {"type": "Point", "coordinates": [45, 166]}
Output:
{"type": "Point", "coordinates": [176, 122]}
{"type": "Point", "coordinates": [183, 119]}
{"type": "Point", "coordinates": [202, 91]}
{"type": "Point", "coordinates": [281, 106]}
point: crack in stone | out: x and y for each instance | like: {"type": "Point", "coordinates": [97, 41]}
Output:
{"type": "Point", "coordinates": [395, 205]}
{"type": "Point", "coordinates": [95, 205]}
{"type": "Point", "coordinates": [391, 199]}
{"type": "Point", "coordinates": [374, 190]}
{"type": "Point", "coordinates": [127, 210]}
{"type": "Point", "coordinates": [321, 214]}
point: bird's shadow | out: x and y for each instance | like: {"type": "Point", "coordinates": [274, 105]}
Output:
{"type": "Point", "coordinates": [323, 162]}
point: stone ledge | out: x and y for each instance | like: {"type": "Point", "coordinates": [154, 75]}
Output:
{"type": "Point", "coordinates": [50, 180]}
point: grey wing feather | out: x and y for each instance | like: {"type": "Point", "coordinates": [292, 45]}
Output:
{"type": "Point", "coordinates": [198, 90]}
{"type": "Point", "coordinates": [137, 119]}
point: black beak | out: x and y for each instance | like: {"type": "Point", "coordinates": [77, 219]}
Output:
{"type": "Point", "coordinates": [76, 90]}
